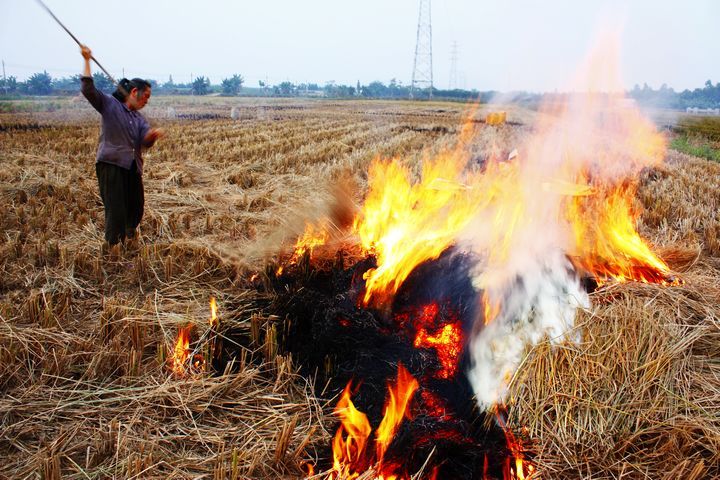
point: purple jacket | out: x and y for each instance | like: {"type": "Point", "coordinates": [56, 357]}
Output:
{"type": "Point", "coordinates": [123, 130]}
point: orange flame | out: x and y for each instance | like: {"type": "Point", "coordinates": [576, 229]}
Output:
{"type": "Point", "coordinates": [350, 454]}
{"type": "Point", "coordinates": [309, 469]}
{"type": "Point", "coordinates": [315, 235]}
{"type": "Point", "coordinates": [562, 191]}
{"type": "Point", "coordinates": [610, 247]}
{"type": "Point", "coordinates": [395, 410]}
{"type": "Point", "coordinates": [181, 352]}
{"type": "Point", "coordinates": [404, 223]}
{"type": "Point", "coordinates": [349, 451]}
{"type": "Point", "coordinates": [213, 312]}
{"type": "Point", "coordinates": [516, 466]}
{"type": "Point", "coordinates": [491, 308]}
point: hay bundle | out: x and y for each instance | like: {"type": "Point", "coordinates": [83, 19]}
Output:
{"type": "Point", "coordinates": [640, 396]}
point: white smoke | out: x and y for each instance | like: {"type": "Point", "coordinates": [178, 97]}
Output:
{"type": "Point", "coordinates": [539, 301]}
{"type": "Point", "coordinates": [527, 281]}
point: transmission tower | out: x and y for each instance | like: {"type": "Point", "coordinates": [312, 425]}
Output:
{"type": "Point", "coordinates": [422, 76]}
{"type": "Point", "coordinates": [453, 66]}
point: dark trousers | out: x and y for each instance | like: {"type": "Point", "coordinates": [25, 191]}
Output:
{"type": "Point", "coordinates": [123, 197]}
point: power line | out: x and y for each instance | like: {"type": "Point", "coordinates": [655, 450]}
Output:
{"type": "Point", "coordinates": [422, 76]}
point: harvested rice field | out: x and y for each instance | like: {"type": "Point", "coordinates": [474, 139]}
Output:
{"type": "Point", "coordinates": [88, 337]}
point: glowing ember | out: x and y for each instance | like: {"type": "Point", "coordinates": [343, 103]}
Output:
{"type": "Point", "coordinates": [448, 344]}
{"type": "Point", "coordinates": [434, 406]}
{"type": "Point", "coordinates": [434, 331]}
{"type": "Point", "coordinates": [350, 456]}
{"type": "Point", "coordinates": [181, 352]}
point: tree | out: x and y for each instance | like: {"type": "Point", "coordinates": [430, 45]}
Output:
{"type": "Point", "coordinates": [10, 85]}
{"type": "Point", "coordinates": [39, 84]}
{"type": "Point", "coordinates": [285, 88]}
{"type": "Point", "coordinates": [232, 85]}
{"type": "Point", "coordinates": [200, 86]}
{"type": "Point", "coordinates": [375, 90]}
{"type": "Point", "coordinates": [66, 84]}
{"type": "Point", "coordinates": [103, 83]}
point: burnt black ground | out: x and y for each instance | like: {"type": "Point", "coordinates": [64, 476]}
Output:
{"type": "Point", "coordinates": [335, 342]}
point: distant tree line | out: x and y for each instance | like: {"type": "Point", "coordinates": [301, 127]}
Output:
{"type": "Point", "coordinates": [665, 97]}
{"type": "Point", "coordinates": [42, 83]}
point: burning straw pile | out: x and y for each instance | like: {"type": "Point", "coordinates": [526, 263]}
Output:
{"type": "Point", "coordinates": [621, 376]}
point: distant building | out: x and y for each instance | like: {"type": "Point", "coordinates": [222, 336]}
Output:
{"type": "Point", "coordinates": [703, 111]}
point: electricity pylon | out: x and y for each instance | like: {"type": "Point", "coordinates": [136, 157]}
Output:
{"type": "Point", "coordinates": [422, 77]}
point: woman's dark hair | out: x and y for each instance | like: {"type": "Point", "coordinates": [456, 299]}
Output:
{"type": "Point", "coordinates": [125, 86]}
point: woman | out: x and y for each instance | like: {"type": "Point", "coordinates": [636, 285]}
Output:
{"type": "Point", "coordinates": [119, 163]}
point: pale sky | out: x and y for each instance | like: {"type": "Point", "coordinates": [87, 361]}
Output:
{"type": "Point", "coordinates": [503, 44]}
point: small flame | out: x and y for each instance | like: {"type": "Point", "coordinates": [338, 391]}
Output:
{"type": "Point", "coordinates": [309, 469]}
{"type": "Point", "coordinates": [213, 312]}
{"type": "Point", "coordinates": [491, 308]}
{"type": "Point", "coordinates": [350, 454]}
{"type": "Point", "coordinates": [181, 352]}
{"type": "Point", "coordinates": [349, 451]}
{"type": "Point", "coordinates": [315, 235]}
{"type": "Point", "coordinates": [516, 466]}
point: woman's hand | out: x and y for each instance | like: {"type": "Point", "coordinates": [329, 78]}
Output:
{"type": "Point", "coordinates": [153, 135]}
{"type": "Point", "coordinates": [87, 55]}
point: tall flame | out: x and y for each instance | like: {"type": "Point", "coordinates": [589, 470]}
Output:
{"type": "Point", "coordinates": [350, 454]}
{"type": "Point", "coordinates": [577, 176]}
{"type": "Point", "coordinates": [181, 352]}
{"type": "Point", "coordinates": [404, 223]}
{"type": "Point", "coordinates": [395, 410]}
{"type": "Point", "coordinates": [570, 188]}
{"type": "Point", "coordinates": [349, 451]}
{"type": "Point", "coordinates": [213, 312]}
